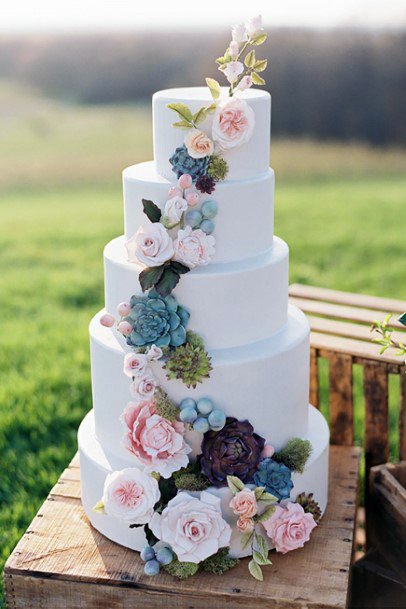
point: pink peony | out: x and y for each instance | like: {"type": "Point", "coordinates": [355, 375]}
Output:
{"type": "Point", "coordinates": [143, 388]}
{"type": "Point", "coordinates": [193, 247]}
{"type": "Point", "coordinates": [289, 527]}
{"type": "Point", "coordinates": [233, 123]}
{"type": "Point", "coordinates": [135, 364]}
{"type": "Point", "coordinates": [194, 528]}
{"type": "Point", "coordinates": [130, 495]}
{"type": "Point", "coordinates": [244, 503]}
{"type": "Point", "coordinates": [156, 442]}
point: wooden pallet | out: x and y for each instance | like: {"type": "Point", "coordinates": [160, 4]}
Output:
{"type": "Point", "coordinates": [63, 563]}
{"type": "Point", "coordinates": [340, 332]}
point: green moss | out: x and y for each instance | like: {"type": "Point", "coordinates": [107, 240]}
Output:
{"type": "Point", "coordinates": [219, 563]}
{"type": "Point", "coordinates": [295, 454]}
{"type": "Point", "coordinates": [190, 478]}
{"type": "Point", "coordinates": [181, 570]}
{"type": "Point", "coordinates": [164, 406]}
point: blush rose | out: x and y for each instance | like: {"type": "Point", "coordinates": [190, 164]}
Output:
{"type": "Point", "coordinates": [151, 245]}
{"type": "Point", "coordinates": [143, 388]}
{"type": "Point", "coordinates": [198, 144]}
{"type": "Point", "coordinates": [194, 247]}
{"type": "Point", "coordinates": [289, 527]}
{"type": "Point", "coordinates": [130, 495]}
{"type": "Point", "coordinates": [233, 124]}
{"type": "Point", "coordinates": [135, 364]}
{"type": "Point", "coordinates": [244, 503]}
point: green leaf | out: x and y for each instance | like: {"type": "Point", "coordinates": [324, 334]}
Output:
{"type": "Point", "coordinates": [151, 210]}
{"type": "Point", "coordinates": [259, 559]}
{"type": "Point", "coordinates": [259, 491]}
{"type": "Point", "coordinates": [221, 60]}
{"type": "Point", "coordinates": [214, 87]}
{"type": "Point", "coordinates": [262, 546]}
{"type": "Point", "coordinates": [250, 59]}
{"type": "Point", "coordinates": [200, 116]}
{"type": "Point", "coordinates": [181, 125]}
{"type": "Point", "coordinates": [260, 65]}
{"type": "Point", "coordinates": [150, 277]}
{"type": "Point", "coordinates": [212, 108]}
{"type": "Point", "coordinates": [246, 539]}
{"type": "Point", "coordinates": [168, 281]}
{"type": "Point", "coordinates": [402, 319]}
{"type": "Point", "coordinates": [183, 111]}
{"type": "Point", "coordinates": [235, 484]}
{"type": "Point", "coordinates": [255, 570]}
{"type": "Point", "coordinates": [268, 497]}
{"type": "Point", "coordinates": [259, 39]}
{"type": "Point", "coordinates": [179, 268]}
{"type": "Point", "coordinates": [99, 508]}
{"type": "Point", "coordinates": [267, 514]}
{"type": "Point", "coordinates": [256, 79]}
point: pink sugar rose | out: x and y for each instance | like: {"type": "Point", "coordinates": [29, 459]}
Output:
{"type": "Point", "coordinates": [194, 528]}
{"type": "Point", "coordinates": [198, 145]}
{"type": "Point", "coordinates": [143, 388]}
{"type": "Point", "coordinates": [135, 364]}
{"type": "Point", "coordinates": [156, 442]}
{"type": "Point", "coordinates": [245, 525]}
{"type": "Point", "coordinates": [244, 503]}
{"type": "Point", "coordinates": [233, 123]}
{"type": "Point", "coordinates": [130, 495]}
{"type": "Point", "coordinates": [151, 245]}
{"type": "Point", "coordinates": [154, 353]}
{"type": "Point", "coordinates": [193, 247]}
{"type": "Point", "coordinates": [289, 527]}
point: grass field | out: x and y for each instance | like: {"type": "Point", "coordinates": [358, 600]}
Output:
{"type": "Point", "coordinates": [342, 208]}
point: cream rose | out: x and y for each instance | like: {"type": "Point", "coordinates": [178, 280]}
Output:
{"type": "Point", "coordinates": [194, 247]}
{"type": "Point", "coordinates": [198, 144]}
{"type": "Point", "coordinates": [151, 245]}
{"type": "Point", "coordinates": [135, 364]}
{"type": "Point", "coordinates": [174, 208]}
{"type": "Point", "coordinates": [244, 503]}
{"type": "Point", "coordinates": [143, 388]}
{"type": "Point", "coordinates": [130, 495]}
{"type": "Point", "coordinates": [233, 124]}
{"type": "Point", "coordinates": [194, 528]}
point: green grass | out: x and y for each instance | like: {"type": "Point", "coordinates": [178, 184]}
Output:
{"type": "Point", "coordinates": [341, 208]}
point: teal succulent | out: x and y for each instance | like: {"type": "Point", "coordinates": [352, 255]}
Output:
{"type": "Point", "coordinates": [156, 320]}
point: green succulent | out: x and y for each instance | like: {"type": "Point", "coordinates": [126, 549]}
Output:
{"type": "Point", "coordinates": [181, 570]}
{"type": "Point", "coordinates": [219, 563]}
{"type": "Point", "coordinates": [309, 505]}
{"type": "Point", "coordinates": [217, 168]}
{"type": "Point", "coordinates": [294, 455]}
{"type": "Point", "coordinates": [164, 406]}
{"type": "Point", "coordinates": [190, 478]}
{"type": "Point", "coordinates": [190, 363]}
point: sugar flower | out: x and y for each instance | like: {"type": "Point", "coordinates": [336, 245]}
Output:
{"type": "Point", "coordinates": [194, 247]}
{"type": "Point", "coordinates": [130, 495]}
{"type": "Point", "coordinates": [233, 70]}
{"type": "Point", "coordinates": [239, 33]}
{"type": "Point", "coordinates": [289, 527]}
{"type": "Point", "coordinates": [174, 208]}
{"type": "Point", "coordinates": [254, 26]}
{"type": "Point", "coordinates": [244, 503]}
{"type": "Point", "coordinates": [198, 144]}
{"type": "Point", "coordinates": [194, 528]}
{"type": "Point", "coordinates": [151, 245]}
{"type": "Point", "coordinates": [135, 364]}
{"type": "Point", "coordinates": [233, 123]}
{"type": "Point", "coordinates": [143, 388]}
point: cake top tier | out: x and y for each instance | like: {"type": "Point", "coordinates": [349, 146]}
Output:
{"type": "Point", "coordinates": [237, 129]}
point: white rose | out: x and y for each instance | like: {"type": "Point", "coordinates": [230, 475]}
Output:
{"type": "Point", "coordinates": [130, 495]}
{"type": "Point", "coordinates": [194, 247]}
{"type": "Point", "coordinates": [143, 388]}
{"type": "Point", "coordinates": [194, 528]}
{"type": "Point", "coordinates": [198, 144]}
{"type": "Point", "coordinates": [154, 353]}
{"type": "Point", "coordinates": [233, 123]}
{"type": "Point", "coordinates": [233, 70]}
{"type": "Point", "coordinates": [238, 33]}
{"type": "Point", "coordinates": [173, 211]}
{"type": "Point", "coordinates": [254, 26]}
{"type": "Point", "coordinates": [151, 245]}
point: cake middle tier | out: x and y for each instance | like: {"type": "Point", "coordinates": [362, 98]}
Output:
{"type": "Point", "coordinates": [229, 304]}
{"type": "Point", "coordinates": [266, 382]}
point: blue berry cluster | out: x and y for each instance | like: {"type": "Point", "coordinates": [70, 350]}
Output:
{"type": "Point", "coordinates": [203, 219]}
{"type": "Point", "coordinates": [154, 558]}
{"type": "Point", "coordinates": [202, 415]}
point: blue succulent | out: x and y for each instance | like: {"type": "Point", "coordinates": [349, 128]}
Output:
{"type": "Point", "coordinates": [275, 477]}
{"type": "Point", "coordinates": [182, 163]}
{"type": "Point", "coordinates": [156, 320]}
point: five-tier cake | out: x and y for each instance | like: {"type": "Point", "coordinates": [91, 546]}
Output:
{"type": "Point", "coordinates": [201, 444]}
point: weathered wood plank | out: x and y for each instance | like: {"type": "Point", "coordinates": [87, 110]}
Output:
{"type": "Point", "coordinates": [376, 414]}
{"type": "Point", "coordinates": [314, 379]}
{"type": "Point", "coordinates": [347, 298]}
{"type": "Point", "coordinates": [356, 314]}
{"type": "Point", "coordinates": [355, 348]}
{"type": "Point", "coordinates": [402, 415]}
{"type": "Point", "coordinates": [62, 562]}
{"type": "Point", "coordinates": [348, 330]}
{"type": "Point", "coordinates": [341, 402]}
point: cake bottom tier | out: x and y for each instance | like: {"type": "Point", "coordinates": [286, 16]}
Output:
{"type": "Point", "coordinates": [96, 463]}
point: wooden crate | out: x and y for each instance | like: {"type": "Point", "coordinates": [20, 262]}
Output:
{"type": "Point", "coordinates": [63, 563]}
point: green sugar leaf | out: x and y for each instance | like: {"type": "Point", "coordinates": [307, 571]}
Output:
{"type": "Point", "coordinates": [402, 319]}
{"type": "Point", "coordinates": [183, 111]}
{"type": "Point", "coordinates": [214, 87]}
{"type": "Point", "coordinates": [167, 282]}
{"type": "Point", "coordinates": [255, 570]}
{"type": "Point", "coordinates": [259, 39]}
{"type": "Point", "coordinates": [256, 79]}
{"type": "Point", "coordinates": [260, 65]}
{"type": "Point", "coordinates": [149, 277]}
{"type": "Point", "coordinates": [250, 59]}
{"type": "Point", "coordinates": [151, 210]}
{"type": "Point", "coordinates": [234, 484]}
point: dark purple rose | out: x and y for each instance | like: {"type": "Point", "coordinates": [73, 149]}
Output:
{"type": "Point", "coordinates": [235, 450]}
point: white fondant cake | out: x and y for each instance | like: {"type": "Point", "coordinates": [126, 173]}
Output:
{"type": "Point", "coordinates": [221, 379]}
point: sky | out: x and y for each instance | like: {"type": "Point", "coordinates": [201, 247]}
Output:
{"type": "Point", "coordinates": [106, 15]}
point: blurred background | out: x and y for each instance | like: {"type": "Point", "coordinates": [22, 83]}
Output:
{"type": "Point", "coordinates": [76, 80]}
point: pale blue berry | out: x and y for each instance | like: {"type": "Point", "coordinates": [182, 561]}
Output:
{"type": "Point", "coordinates": [164, 556]}
{"type": "Point", "coordinates": [205, 406]}
{"type": "Point", "coordinates": [187, 403]}
{"type": "Point", "coordinates": [188, 415]}
{"type": "Point", "coordinates": [193, 218]}
{"type": "Point", "coordinates": [201, 425]}
{"type": "Point", "coordinates": [217, 419]}
{"type": "Point", "coordinates": [147, 553]}
{"type": "Point", "coordinates": [210, 209]}
{"type": "Point", "coordinates": [151, 567]}
{"type": "Point", "coordinates": [207, 226]}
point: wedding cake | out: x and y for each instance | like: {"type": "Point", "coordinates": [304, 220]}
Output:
{"type": "Point", "coordinates": [201, 447]}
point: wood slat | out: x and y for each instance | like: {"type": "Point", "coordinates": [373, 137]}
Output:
{"type": "Point", "coordinates": [348, 329]}
{"type": "Point", "coordinates": [365, 316]}
{"type": "Point", "coordinates": [341, 401]}
{"type": "Point", "coordinates": [402, 415]}
{"type": "Point", "coordinates": [355, 348]}
{"type": "Point", "coordinates": [314, 379]}
{"type": "Point", "coordinates": [376, 442]}
{"type": "Point", "coordinates": [347, 298]}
